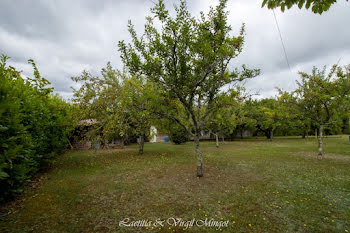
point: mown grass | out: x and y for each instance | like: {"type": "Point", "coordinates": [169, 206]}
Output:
{"type": "Point", "coordinates": [258, 185]}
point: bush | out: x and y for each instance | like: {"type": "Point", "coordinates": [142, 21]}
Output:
{"type": "Point", "coordinates": [33, 127]}
{"type": "Point", "coordinates": [179, 136]}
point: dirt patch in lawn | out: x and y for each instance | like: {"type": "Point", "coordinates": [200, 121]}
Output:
{"type": "Point", "coordinates": [326, 156]}
{"type": "Point", "coordinates": [182, 178]}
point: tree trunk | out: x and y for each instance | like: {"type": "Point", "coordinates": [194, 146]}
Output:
{"type": "Point", "coordinates": [199, 157]}
{"type": "Point", "coordinates": [122, 142]}
{"type": "Point", "coordinates": [271, 135]}
{"type": "Point", "coordinates": [70, 144]}
{"type": "Point", "coordinates": [303, 135]}
{"type": "Point", "coordinates": [141, 143]}
{"type": "Point", "coordinates": [223, 138]}
{"type": "Point", "coordinates": [217, 140]}
{"type": "Point", "coordinates": [315, 132]}
{"type": "Point", "coordinates": [320, 142]}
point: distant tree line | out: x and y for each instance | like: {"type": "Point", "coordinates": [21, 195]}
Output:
{"type": "Point", "coordinates": [320, 104]}
{"type": "Point", "coordinates": [128, 105]}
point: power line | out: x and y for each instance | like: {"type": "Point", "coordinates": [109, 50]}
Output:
{"type": "Point", "coordinates": [279, 32]}
{"type": "Point", "coordinates": [338, 61]}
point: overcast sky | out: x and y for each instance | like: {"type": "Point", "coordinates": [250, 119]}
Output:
{"type": "Point", "coordinates": [65, 37]}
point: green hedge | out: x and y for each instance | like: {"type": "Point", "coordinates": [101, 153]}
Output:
{"type": "Point", "coordinates": [33, 127]}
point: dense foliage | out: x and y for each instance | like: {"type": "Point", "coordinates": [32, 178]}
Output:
{"type": "Point", "coordinates": [317, 6]}
{"type": "Point", "coordinates": [179, 135]}
{"type": "Point", "coordinates": [324, 98]}
{"type": "Point", "coordinates": [33, 127]}
{"type": "Point", "coordinates": [117, 103]}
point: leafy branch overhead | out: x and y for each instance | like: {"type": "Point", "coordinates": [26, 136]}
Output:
{"type": "Point", "coordinates": [317, 6]}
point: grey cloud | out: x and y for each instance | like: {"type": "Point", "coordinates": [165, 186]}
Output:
{"type": "Point", "coordinates": [65, 37]}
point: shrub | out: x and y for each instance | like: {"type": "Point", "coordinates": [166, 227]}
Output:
{"type": "Point", "coordinates": [179, 136]}
{"type": "Point", "coordinates": [33, 127]}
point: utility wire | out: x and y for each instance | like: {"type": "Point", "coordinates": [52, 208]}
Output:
{"type": "Point", "coordinates": [279, 32]}
{"type": "Point", "coordinates": [338, 61]}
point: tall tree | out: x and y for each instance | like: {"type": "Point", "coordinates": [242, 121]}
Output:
{"type": "Point", "coordinates": [117, 102]}
{"type": "Point", "coordinates": [99, 99]}
{"type": "Point", "coordinates": [322, 96]}
{"type": "Point", "coordinates": [136, 91]}
{"type": "Point", "coordinates": [189, 59]}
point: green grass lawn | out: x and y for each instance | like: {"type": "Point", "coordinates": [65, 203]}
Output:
{"type": "Point", "coordinates": [258, 185]}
